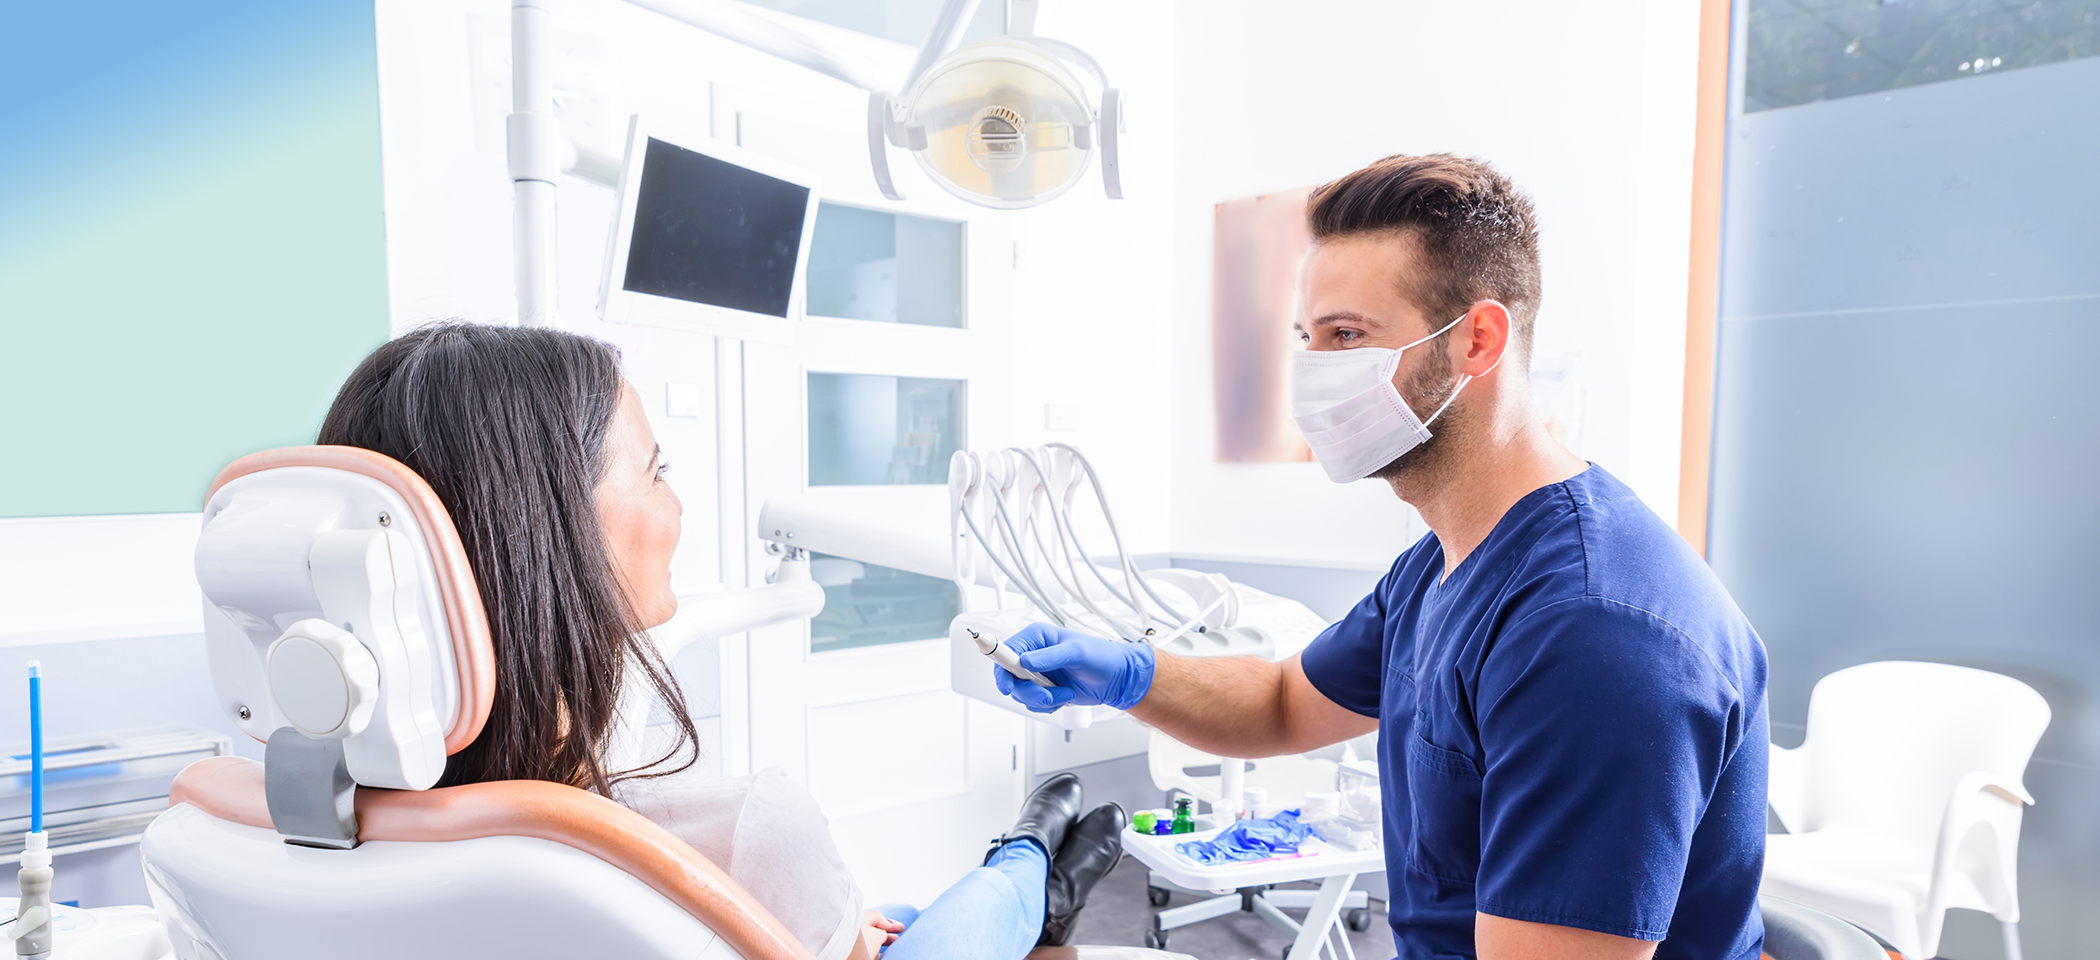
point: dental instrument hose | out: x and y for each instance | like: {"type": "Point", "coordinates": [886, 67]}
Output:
{"type": "Point", "coordinates": [1123, 555]}
{"type": "Point", "coordinates": [1061, 523]}
{"type": "Point", "coordinates": [31, 930]}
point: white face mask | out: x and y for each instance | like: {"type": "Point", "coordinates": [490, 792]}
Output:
{"type": "Point", "coordinates": [1351, 415]}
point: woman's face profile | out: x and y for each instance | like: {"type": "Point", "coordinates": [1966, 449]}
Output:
{"type": "Point", "coordinates": [639, 512]}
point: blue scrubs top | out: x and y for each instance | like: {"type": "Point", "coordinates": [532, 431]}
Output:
{"type": "Point", "coordinates": [1571, 730]}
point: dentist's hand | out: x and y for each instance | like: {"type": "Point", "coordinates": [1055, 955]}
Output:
{"type": "Point", "coordinates": [1087, 669]}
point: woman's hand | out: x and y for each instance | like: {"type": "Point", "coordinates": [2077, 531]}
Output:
{"type": "Point", "coordinates": [876, 932]}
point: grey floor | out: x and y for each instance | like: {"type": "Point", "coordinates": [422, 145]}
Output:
{"type": "Point", "coordinates": [1117, 913]}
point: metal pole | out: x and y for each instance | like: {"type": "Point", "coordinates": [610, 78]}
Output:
{"type": "Point", "coordinates": [533, 150]}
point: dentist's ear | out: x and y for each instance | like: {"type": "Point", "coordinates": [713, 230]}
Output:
{"type": "Point", "coordinates": [1485, 339]}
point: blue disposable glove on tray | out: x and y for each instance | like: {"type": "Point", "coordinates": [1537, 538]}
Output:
{"type": "Point", "coordinates": [1277, 836]}
{"type": "Point", "coordinates": [1087, 670]}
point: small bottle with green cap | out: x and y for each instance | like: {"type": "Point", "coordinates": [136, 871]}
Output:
{"type": "Point", "coordinates": [1184, 815]}
{"type": "Point", "coordinates": [1143, 821]}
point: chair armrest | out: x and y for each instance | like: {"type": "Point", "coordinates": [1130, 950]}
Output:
{"type": "Point", "coordinates": [231, 788]}
{"type": "Point", "coordinates": [1787, 786]}
{"type": "Point", "coordinates": [1982, 800]}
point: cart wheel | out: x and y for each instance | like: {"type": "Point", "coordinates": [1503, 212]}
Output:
{"type": "Point", "coordinates": [1155, 939]}
{"type": "Point", "coordinates": [1158, 895]}
{"type": "Point", "coordinates": [1359, 920]}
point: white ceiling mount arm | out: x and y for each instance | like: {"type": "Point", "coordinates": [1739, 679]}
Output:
{"type": "Point", "coordinates": [533, 148]}
{"type": "Point", "coordinates": [879, 123]}
{"type": "Point", "coordinates": [1020, 18]}
{"type": "Point", "coordinates": [734, 21]}
{"type": "Point", "coordinates": [946, 33]}
{"type": "Point", "coordinates": [585, 163]}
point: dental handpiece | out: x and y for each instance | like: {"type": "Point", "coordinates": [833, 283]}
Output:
{"type": "Point", "coordinates": [1007, 658]}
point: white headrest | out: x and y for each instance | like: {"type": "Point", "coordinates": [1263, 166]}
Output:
{"type": "Point", "coordinates": [337, 600]}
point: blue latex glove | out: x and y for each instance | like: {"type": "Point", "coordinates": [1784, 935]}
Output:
{"type": "Point", "coordinates": [1277, 836]}
{"type": "Point", "coordinates": [1087, 669]}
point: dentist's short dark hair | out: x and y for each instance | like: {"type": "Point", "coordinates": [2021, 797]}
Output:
{"type": "Point", "coordinates": [1475, 234]}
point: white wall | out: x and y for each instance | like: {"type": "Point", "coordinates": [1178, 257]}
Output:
{"type": "Point", "coordinates": [75, 579]}
{"type": "Point", "coordinates": [1589, 107]}
{"type": "Point", "coordinates": [1100, 307]}
{"type": "Point", "coordinates": [1067, 301]}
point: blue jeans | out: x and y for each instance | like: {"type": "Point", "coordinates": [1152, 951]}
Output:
{"type": "Point", "coordinates": [994, 912]}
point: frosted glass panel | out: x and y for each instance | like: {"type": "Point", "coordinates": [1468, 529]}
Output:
{"type": "Point", "coordinates": [886, 267]}
{"type": "Point", "coordinates": [866, 605]}
{"type": "Point", "coordinates": [868, 430]}
{"type": "Point", "coordinates": [1905, 432]}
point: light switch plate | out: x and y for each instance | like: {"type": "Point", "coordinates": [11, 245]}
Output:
{"type": "Point", "coordinates": [682, 399]}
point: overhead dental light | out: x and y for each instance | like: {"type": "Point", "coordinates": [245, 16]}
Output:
{"type": "Point", "coordinates": [1006, 123]}
{"type": "Point", "coordinates": [1003, 123]}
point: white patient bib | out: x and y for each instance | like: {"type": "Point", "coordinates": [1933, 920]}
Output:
{"type": "Point", "coordinates": [770, 836]}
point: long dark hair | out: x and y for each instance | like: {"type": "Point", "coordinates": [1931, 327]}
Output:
{"type": "Point", "coordinates": [509, 426]}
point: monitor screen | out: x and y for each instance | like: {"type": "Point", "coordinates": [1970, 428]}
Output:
{"type": "Point", "coordinates": [709, 231]}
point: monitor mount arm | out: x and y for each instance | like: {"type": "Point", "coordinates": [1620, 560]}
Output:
{"type": "Point", "coordinates": [537, 153]}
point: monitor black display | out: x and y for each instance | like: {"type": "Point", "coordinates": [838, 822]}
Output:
{"type": "Point", "coordinates": [709, 231]}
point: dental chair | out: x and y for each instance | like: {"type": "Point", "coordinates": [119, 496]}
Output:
{"type": "Point", "coordinates": [345, 630]}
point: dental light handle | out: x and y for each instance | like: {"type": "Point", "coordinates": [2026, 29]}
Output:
{"type": "Point", "coordinates": [1007, 658]}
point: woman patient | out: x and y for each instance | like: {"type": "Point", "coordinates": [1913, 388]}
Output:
{"type": "Point", "coordinates": [539, 449]}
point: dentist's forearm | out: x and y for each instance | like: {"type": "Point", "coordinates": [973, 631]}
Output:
{"type": "Point", "coordinates": [1243, 707]}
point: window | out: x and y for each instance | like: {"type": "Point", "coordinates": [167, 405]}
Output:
{"type": "Point", "coordinates": [1802, 51]}
{"type": "Point", "coordinates": [886, 267]}
{"type": "Point", "coordinates": [867, 429]}
{"type": "Point", "coordinates": [866, 605]}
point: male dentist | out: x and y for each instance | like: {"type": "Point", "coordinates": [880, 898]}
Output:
{"type": "Point", "coordinates": [1571, 710]}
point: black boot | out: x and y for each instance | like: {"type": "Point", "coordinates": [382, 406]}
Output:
{"type": "Point", "coordinates": [1091, 849]}
{"type": "Point", "coordinates": [1045, 815]}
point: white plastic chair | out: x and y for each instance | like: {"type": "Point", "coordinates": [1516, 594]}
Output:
{"type": "Point", "coordinates": [1905, 800]}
